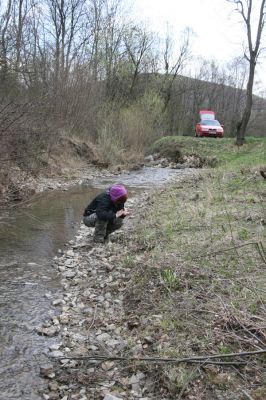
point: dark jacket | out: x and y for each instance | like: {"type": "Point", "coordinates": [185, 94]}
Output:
{"type": "Point", "coordinates": [104, 208]}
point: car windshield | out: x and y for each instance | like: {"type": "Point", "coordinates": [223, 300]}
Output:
{"type": "Point", "coordinates": [210, 122]}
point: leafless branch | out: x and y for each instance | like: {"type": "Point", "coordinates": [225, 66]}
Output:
{"type": "Point", "coordinates": [196, 359]}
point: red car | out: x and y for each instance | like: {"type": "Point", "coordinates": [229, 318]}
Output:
{"type": "Point", "coordinates": [208, 125]}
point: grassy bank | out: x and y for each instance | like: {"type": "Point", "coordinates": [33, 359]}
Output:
{"type": "Point", "coordinates": [218, 152]}
{"type": "Point", "coordinates": [199, 280]}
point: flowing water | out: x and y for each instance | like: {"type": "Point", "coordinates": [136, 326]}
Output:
{"type": "Point", "coordinates": [30, 236]}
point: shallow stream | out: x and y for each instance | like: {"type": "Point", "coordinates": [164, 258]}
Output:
{"type": "Point", "coordinates": [30, 236]}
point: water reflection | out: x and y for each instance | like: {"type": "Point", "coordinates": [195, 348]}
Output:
{"type": "Point", "coordinates": [29, 237]}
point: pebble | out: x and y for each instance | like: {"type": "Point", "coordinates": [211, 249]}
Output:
{"type": "Point", "coordinates": [55, 346]}
{"type": "Point", "coordinates": [111, 397]}
{"type": "Point", "coordinates": [47, 371]}
{"type": "Point", "coordinates": [57, 353]}
{"type": "Point", "coordinates": [58, 302]}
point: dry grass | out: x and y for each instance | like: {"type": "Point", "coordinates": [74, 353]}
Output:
{"type": "Point", "coordinates": [200, 260]}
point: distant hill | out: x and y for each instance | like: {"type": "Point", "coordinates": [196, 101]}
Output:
{"type": "Point", "coordinates": [186, 96]}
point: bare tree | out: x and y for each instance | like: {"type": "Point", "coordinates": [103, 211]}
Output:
{"type": "Point", "coordinates": [172, 69]}
{"type": "Point", "coordinates": [246, 9]}
{"type": "Point", "coordinates": [34, 53]}
{"type": "Point", "coordinates": [4, 26]}
{"type": "Point", "coordinates": [95, 15]}
{"type": "Point", "coordinates": [137, 41]}
{"type": "Point", "coordinates": [113, 30]}
{"type": "Point", "coordinates": [66, 17]}
{"type": "Point", "coordinates": [20, 8]}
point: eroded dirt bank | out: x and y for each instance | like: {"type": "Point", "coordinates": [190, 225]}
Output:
{"type": "Point", "coordinates": [25, 187]}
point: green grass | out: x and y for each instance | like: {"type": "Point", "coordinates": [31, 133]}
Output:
{"type": "Point", "coordinates": [201, 267]}
{"type": "Point", "coordinates": [224, 151]}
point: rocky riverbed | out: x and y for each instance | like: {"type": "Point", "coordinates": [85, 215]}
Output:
{"type": "Point", "coordinates": [89, 319]}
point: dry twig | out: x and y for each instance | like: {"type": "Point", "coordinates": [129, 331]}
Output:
{"type": "Point", "coordinates": [196, 359]}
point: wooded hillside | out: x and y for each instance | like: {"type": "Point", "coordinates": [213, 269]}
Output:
{"type": "Point", "coordinates": [82, 69]}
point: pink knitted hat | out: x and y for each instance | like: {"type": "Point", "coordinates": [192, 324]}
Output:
{"type": "Point", "coordinates": [117, 192]}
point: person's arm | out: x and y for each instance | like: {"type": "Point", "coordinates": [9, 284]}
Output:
{"type": "Point", "coordinates": [122, 213]}
{"type": "Point", "coordinates": [104, 211]}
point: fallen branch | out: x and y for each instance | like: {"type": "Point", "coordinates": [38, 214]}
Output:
{"type": "Point", "coordinates": [195, 359]}
{"type": "Point", "coordinates": [224, 250]}
{"type": "Point", "coordinates": [202, 362]}
{"type": "Point", "coordinates": [261, 251]}
{"type": "Point", "coordinates": [247, 396]}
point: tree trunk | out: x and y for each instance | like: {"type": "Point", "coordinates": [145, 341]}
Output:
{"type": "Point", "coordinates": [245, 9]}
{"type": "Point", "coordinates": [242, 125]}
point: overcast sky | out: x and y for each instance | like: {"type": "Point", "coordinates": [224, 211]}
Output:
{"type": "Point", "coordinates": [219, 32]}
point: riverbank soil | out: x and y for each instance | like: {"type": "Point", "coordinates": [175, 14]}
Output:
{"type": "Point", "coordinates": [69, 161]}
{"type": "Point", "coordinates": [185, 277]}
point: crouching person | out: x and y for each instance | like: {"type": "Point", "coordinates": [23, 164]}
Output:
{"type": "Point", "coordinates": [106, 212]}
